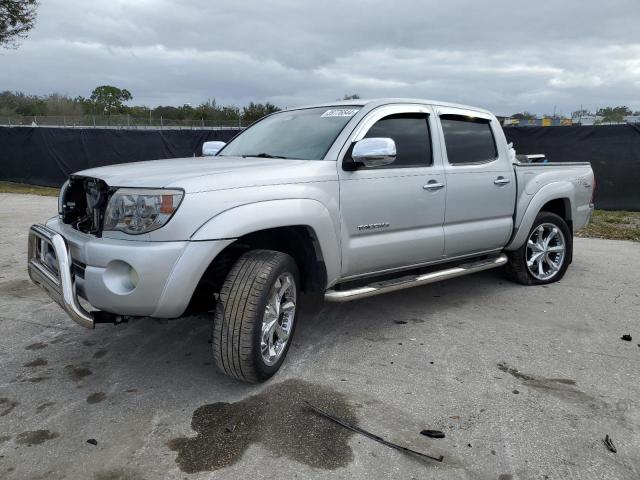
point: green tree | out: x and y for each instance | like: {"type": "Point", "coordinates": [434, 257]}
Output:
{"type": "Point", "coordinates": [524, 116]}
{"type": "Point", "coordinates": [109, 99]}
{"type": "Point", "coordinates": [354, 96]}
{"type": "Point", "coordinates": [581, 113]}
{"type": "Point", "coordinates": [17, 17]}
{"type": "Point", "coordinates": [255, 111]}
{"type": "Point", "coordinates": [614, 114]}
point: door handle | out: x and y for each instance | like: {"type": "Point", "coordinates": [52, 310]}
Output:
{"type": "Point", "coordinates": [501, 181]}
{"type": "Point", "coordinates": [433, 185]}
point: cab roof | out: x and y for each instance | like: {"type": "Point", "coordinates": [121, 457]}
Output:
{"type": "Point", "coordinates": [376, 102]}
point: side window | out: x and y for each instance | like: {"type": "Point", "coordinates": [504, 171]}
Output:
{"type": "Point", "coordinates": [468, 140]}
{"type": "Point", "coordinates": [410, 131]}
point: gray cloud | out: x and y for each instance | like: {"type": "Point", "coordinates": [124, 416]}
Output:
{"type": "Point", "coordinates": [501, 55]}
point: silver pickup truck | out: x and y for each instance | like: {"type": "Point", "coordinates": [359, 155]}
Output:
{"type": "Point", "coordinates": [339, 201]}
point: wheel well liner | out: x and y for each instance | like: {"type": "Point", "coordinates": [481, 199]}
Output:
{"type": "Point", "coordinates": [299, 241]}
{"type": "Point", "coordinates": [561, 207]}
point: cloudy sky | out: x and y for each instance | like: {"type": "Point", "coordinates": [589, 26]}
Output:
{"type": "Point", "coordinates": [507, 56]}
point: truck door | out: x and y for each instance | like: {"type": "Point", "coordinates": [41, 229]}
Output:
{"type": "Point", "coordinates": [392, 216]}
{"type": "Point", "coordinates": [481, 188]}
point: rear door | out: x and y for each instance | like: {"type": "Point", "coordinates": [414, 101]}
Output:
{"type": "Point", "coordinates": [392, 216]}
{"type": "Point", "coordinates": [481, 187]}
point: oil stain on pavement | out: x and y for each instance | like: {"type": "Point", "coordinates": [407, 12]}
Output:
{"type": "Point", "coordinates": [6, 405]}
{"type": "Point", "coordinates": [563, 388]}
{"type": "Point", "coordinates": [277, 419]}
{"type": "Point", "coordinates": [35, 437]}
{"type": "Point", "coordinates": [77, 373]}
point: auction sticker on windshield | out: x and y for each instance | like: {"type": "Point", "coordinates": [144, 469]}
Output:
{"type": "Point", "coordinates": [340, 112]}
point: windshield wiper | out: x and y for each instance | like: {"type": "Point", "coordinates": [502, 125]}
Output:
{"type": "Point", "coordinates": [264, 155]}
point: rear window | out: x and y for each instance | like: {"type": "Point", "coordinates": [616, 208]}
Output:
{"type": "Point", "coordinates": [468, 140]}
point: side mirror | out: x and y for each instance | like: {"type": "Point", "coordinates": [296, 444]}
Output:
{"type": "Point", "coordinates": [374, 152]}
{"type": "Point", "coordinates": [209, 149]}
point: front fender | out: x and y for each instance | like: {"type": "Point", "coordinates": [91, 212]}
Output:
{"type": "Point", "coordinates": [552, 191]}
{"type": "Point", "coordinates": [244, 219]}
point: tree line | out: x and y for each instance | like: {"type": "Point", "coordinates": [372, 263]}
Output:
{"type": "Point", "coordinates": [107, 100]}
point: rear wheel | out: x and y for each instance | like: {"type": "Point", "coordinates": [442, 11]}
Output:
{"type": "Point", "coordinates": [255, 315]}
{"type": "Point", "coordinates": [545, 256]}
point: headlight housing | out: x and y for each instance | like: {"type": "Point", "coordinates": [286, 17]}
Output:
{"type": "Point", "coordinates": [138, 210]}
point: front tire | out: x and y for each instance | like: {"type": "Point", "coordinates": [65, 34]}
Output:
{"type": "Point", "coordinates": [545, 256]}
{"type": "Point", "coordinates": [255, 315]}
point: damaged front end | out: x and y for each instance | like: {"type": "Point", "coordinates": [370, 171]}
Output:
{"type": "Point", "coordinates": [83, 203]}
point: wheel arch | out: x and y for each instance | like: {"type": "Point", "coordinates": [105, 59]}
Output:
{"type": "Point", "coordinates": [301, 228]}
{"type": "Point", "coordinates": [555, 198]}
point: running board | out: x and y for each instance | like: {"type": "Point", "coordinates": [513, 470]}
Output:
{"type": "Point", "coordinates": [401, 283]}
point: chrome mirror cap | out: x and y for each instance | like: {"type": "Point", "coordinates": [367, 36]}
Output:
{"type": "Point", "coordinates": [374, 152]}
{"type": "Point", "coordinates": [209, 149]}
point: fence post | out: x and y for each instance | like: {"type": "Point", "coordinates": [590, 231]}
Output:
{"type": "Point", "coordinates": [128, 124]}
{"type": "Point", "coordinates": [94, 120]}
{"type": "Point", "coordinates": [64, 121]}
{"type": "Point", "coordinates": [161, 123]}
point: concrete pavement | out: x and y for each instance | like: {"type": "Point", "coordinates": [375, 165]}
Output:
{"type": "Point", "coordinates": [525, 382]}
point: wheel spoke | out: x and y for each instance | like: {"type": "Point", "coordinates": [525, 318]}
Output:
{"type": "Point", "coordinates": [284, 286]}
{"type": "Point", "coordinates": [556, 249]}
{"type": "Point", "coordinates": [534, 258]}
{"type": "Point", "coordinates": [540, 267]}
{"type": "Point", "coordinates": [282, 333]}
{"type": "Point", "coordinates": [533, 246]}
{"type": "Point", "coordinates": [287, 307]}
{"type": "Point", "coordinates": [552, 234]}
{"type": "Point", "coordinates": [553, 265]}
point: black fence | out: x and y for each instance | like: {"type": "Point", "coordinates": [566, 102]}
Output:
{"type": "Point", "coordinates": [46, 156]}
{"type": "Point", "coordinates": [613, 150]}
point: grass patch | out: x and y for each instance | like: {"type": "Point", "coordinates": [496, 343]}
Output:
{"type": "Point", "coordinates": [10, 187]}
{"type": "Point", "coordinates": [619, 225]}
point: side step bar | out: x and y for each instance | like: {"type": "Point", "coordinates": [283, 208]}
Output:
{"type": "Point", "coordinates": [401, 283]}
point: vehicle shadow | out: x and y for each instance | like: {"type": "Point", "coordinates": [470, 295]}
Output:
{"type": "Point", "coordinates": [176, 356]}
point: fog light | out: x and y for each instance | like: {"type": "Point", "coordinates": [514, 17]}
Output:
{"type": "Point", "coordinates": [120, 277]}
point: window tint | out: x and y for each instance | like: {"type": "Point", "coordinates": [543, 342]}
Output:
{"type": "Point", "coordinates": [468, 140]}
{"type": "Point", "coordinates": [410, 131]}
{"type": "Point", "coordinates": [299, 134]}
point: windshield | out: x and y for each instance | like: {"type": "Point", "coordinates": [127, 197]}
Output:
{"type": "Point", "coordinates": [298, 134]}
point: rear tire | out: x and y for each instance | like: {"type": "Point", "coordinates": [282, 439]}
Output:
{"type": "Point", "coordinates": [260, 292]}
{"type": "Point", "coordinates": [545, 255]}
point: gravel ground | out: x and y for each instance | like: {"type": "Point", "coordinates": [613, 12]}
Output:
{"type": "Point", "coordinates": [524, 382]}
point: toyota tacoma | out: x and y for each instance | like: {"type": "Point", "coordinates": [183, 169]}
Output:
{"type": "Point", "coordinates": [337, 202]}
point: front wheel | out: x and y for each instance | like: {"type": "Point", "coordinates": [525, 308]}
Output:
{"type": "Point", "coordinates": [255, 315]}
{"type": "Point", "coordinates": [545, 256]}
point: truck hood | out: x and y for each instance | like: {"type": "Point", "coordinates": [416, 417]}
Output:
{"type": "Point", "coordinates": [197, 174]}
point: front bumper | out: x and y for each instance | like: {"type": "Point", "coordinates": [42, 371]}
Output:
{"type": "Point", "coordinates": [116, 277]}
{"type": "Point", "coordinates": [53, 273]}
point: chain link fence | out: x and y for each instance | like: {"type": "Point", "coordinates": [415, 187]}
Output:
{"type": "Point", "coordinates": [117, 121]}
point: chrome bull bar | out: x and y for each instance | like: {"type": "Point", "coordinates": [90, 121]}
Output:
{"type": "Point", "coordinates": [53, 272]}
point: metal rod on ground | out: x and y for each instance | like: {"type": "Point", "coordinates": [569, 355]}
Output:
{"type": "Point", "coordinates": [371, 435]}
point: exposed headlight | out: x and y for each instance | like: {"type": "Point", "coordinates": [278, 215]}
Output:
{"type": "Point", "coordinates": [137, 211]}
